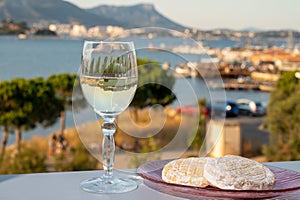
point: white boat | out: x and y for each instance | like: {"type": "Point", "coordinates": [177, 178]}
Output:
{"type": "Point", "coordinates": [22, 36]}
{"type": "Point", "coordinates": [186, 70]}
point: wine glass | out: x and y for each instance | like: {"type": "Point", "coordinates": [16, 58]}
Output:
{"type": "Point", "coordinates": [108, 78]}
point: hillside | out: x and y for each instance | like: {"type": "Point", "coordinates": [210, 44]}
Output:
{"type": "Point", "coordinates": [59, 11]}
{"type": "Point", "coordinates": [53, 11]}
{"type": "Point", "coordinates": [140, 15]}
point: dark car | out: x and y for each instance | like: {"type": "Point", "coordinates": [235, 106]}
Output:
{"type": "Point", "coordinates": [223, 108]}
{"type": "Point", "coordinates": [251, 108]}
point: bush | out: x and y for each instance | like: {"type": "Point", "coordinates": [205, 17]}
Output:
{"type": "Point", "coordinates": [76, 160]}
{"type": "Point", "coordinates": [283, 120]}
{"type": "Point", "coordinates": [29, 160]}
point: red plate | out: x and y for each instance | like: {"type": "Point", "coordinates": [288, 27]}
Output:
{"type": "Point", "coordinates": [287, 185]}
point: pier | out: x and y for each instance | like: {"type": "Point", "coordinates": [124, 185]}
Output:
{"type": "Point", "coordinates": [242, 86]}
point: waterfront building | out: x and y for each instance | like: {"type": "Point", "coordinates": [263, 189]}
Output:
{"type": "Point", "coordinates": [78, 31]}
{"type": "Point", "coordinates": [291, 64]}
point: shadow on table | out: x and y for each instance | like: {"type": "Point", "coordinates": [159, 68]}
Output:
{"type": "Point", "coordinates": [7, 177]}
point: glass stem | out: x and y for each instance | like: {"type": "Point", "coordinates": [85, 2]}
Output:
{"type": "Point", "coordinates": [108, 146]}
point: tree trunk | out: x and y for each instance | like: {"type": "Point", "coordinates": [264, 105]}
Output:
{"type": "Point", "coordinates": [62, 122]}
{"type": "Point", "coordinates": [4, 142]}
{"type": "Point", "coordinates": [18, 139]}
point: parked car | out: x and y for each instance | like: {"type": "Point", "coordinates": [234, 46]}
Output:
{"type": "Point", "coordinates": [251, 108]}
{"type": "Point", "coordinates": [223, 108]}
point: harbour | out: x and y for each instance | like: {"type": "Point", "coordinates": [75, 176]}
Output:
{"type": "Point", "coordinates": [124, 87]}
{"type": "Point", "coordinates": [45, 56]}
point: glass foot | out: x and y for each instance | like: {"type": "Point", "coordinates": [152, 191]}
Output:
{"type": "Point", "coordinates": [111, 186]}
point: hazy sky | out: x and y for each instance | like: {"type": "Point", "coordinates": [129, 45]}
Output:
{"type": "Point", "coordinates": [210, 14]}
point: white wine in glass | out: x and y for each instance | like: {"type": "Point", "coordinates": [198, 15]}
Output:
{"type": "Point", "coordinates": [108, 78]}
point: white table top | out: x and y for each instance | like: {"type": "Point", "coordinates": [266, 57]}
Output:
{"type": "Point", "coordinates": [65, 186]}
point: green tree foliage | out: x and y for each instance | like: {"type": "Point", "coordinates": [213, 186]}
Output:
{"type": "Point", "coordinates": [283, 120]}
{"type": "Point", "coordinates": [37, 104]}
{"type": "Point", "coordinates": [46, 107]}
{"type": "Point", "coordinates": [27, 103]}
{"type": "Point", "coordinates": [6, 112]}
{"type": "Point", "coordinates": [154, 85]}
{"type": "Point", "coordinates": [63, 85]}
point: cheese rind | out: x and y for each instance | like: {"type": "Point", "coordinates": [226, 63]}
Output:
{"type": "Point", "coordinates": [229, 172]}
{"type": "Point", "coordinates": [188, 171]}
{"type": "Point", "coordinates": [238, 173]}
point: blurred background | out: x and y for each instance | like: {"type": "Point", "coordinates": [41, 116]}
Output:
{"type": "Point", "coordinates": [230, 72]}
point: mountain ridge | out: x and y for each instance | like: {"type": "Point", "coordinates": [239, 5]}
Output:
{"type": "Point", "coordinates": [51, 11]}
{"type": "Point", "coordinates": [139, 15]}
{"type": "Point", "coordinates": [134, 16]}
{"type": "Point", "coordinates": [59, 11]}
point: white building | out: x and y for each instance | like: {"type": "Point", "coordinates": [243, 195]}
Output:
{"type": "Point", "coordinates": [61, 29]}
{"type": "Point", "coordinates": [78, 31]}
{"type": "Point", "coordinates": [96, 31]}
{"type": "Point", "coordinates": [114, 30]}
